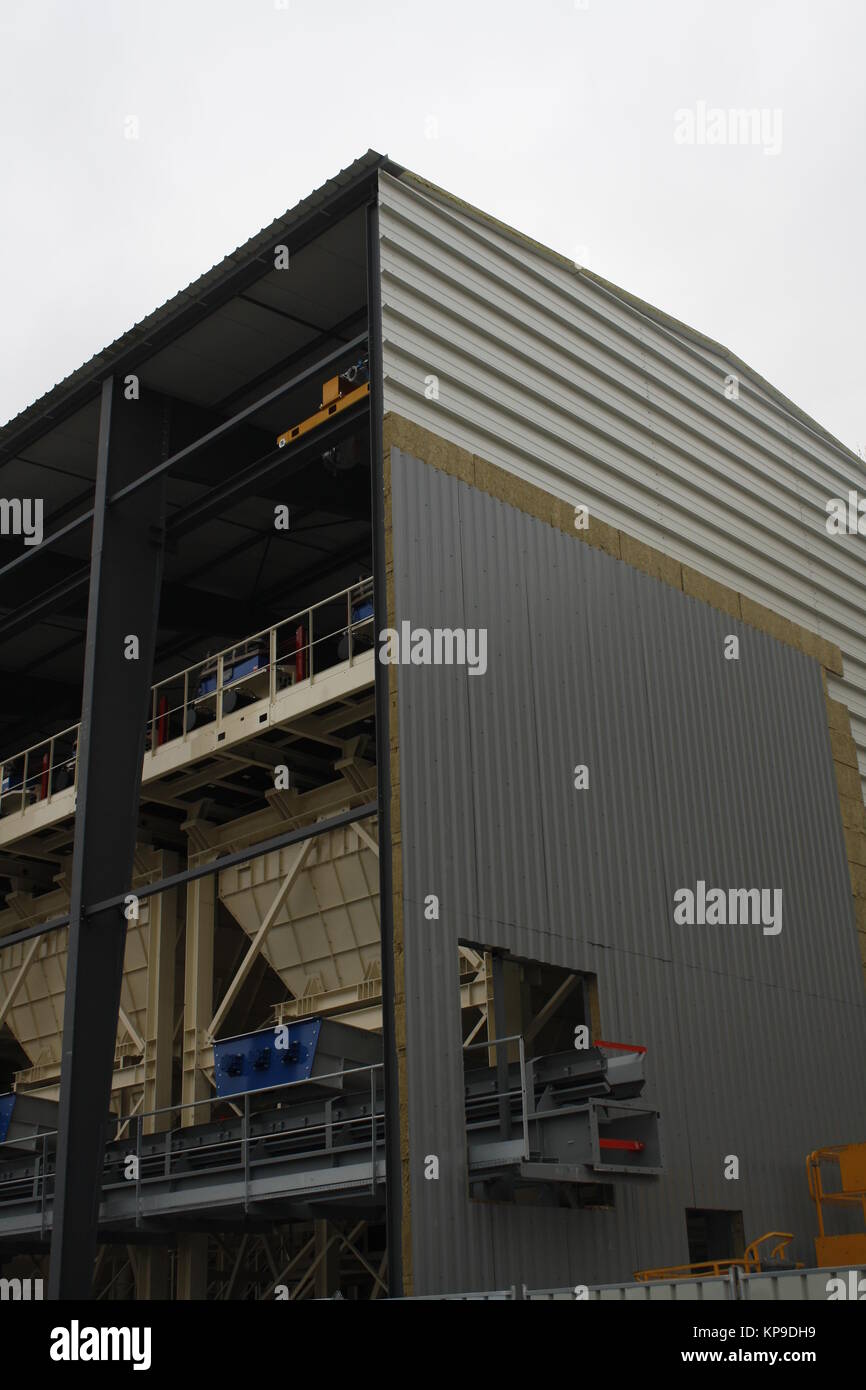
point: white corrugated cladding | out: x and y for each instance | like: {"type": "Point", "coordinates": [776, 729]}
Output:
{"type": "Point", "coordinates": [568, 384]}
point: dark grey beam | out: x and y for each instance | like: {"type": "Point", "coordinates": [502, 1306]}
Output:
{"type": "Point", "coordinates": [126, 569]}
{"type": "Point", "coordinates": [28, 874]}
{"type": "Point", "coordinates": [59, 588]}
{"type": "Point", "coordinates": [225, 861]}
{"type": "Point", "coordinates": [31, 694]}
{"type": "Point", "coordinates": [218, 434]}
{"type": "Point", "coordinates": [353, 320]}
{"type": "Point", "coordinates": [54, 601]}
{"type": "Point", "coordinates": [297, 583]}
{"type": "Point", "coordinates": [287, 462]}
{"type": "Point", "coordinates": [226, 427]}
{"type": "Point", "coordinates": [501, 1028]}
{"type": "Point", "coordinates": [393, 1164]}
{"type": "Point", "coordinates": [69, 529]}
{"type": "Point", "coordinates": [185, 609]}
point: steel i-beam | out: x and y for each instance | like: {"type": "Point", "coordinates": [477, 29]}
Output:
{"type": "Point", "coordinates": [123, 607]}
{"type": "Point", "coordinates": [394, 1214]}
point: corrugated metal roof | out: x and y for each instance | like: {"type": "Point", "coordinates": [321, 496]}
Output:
{"type": "Point", "coordinates": [137, 342]}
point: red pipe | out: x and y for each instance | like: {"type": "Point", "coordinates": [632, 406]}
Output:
{"type": "Point", "coordinates": [633, 1146]}
{"type": "Point", "coordinates": [162, 725]}
{"type": "Point", "coordinates": [43, 785]}
{"type": "Point", "coordinates": [300, 652]}
{"type": "Point", "coordinates": [620, 1047]}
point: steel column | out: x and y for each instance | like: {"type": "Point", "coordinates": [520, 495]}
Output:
{"type": "Point", "coordinates": [159, 1019]}
{"type": "Point", "coordinates": [394, 1162]}
{"type": "Point", "coordinates": [327, 1280]}
{"type": "Point", "coordinates": [501, 1027]}
{"type": "Point", "coordinates": [192, 1258]}
{"type": "Point", "coordinates": [192, 1249]}
{"type": "Point", "coordinates": [126, 568]}
{"type": "Point", "coordinates": [198, 993]}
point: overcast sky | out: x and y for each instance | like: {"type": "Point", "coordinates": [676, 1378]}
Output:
{"type": "Point", "coordinates": [600, 127]}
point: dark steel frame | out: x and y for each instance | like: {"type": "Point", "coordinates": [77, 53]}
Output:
{"type": "Point", "coordinates": [239, 272]}
{"type": "Point", "coordinates": [240, 483]}
{"type": "Point", "coordinates": [124, 594]}
{"type": "Point", "coordinates": [126, 575]}
{"type": "Point", "coordinates": [393, 1164]}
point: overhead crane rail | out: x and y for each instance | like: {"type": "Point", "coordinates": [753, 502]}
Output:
{"type": "Point", "coordinates": [338, 394]}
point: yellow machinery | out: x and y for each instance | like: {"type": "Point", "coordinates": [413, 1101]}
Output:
{"type": "Point", "coordinates": [831, 1252]}
{"type": "Point", "coordinates": [752, 1262]}
{"type": "Point", "coordinates": [338, 393]}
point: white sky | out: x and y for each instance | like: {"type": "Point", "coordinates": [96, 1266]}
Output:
{"type": "Point", "coordinates": [557, 117]}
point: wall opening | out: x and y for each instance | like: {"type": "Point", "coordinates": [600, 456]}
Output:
{"type": "Point", "coordinates": [714, 1234]}
{"type": "Point", "coordinates": [550, 1119]}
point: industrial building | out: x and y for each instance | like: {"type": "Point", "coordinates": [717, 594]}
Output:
{"type": "Point", "coordinates": [432, 832]}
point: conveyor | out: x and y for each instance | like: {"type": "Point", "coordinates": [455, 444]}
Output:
{"type": "Point", "coordinates": [572, 1118]}
{"type": "Point", "coordinates": [274, 1147]}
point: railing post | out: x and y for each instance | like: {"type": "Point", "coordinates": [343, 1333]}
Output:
{"type": "Point", "coordinates": [372, 1131]}
{"type": "Point", "coordinates": [502, 1081]}
{"type": "Point", "coordinates": [24, 792]}
{"type": "Point", "coordinates": [185, 702]}
{"type": "Point", "coordinates": [310, 640]}
{"type": "Point", "coordinates": [44, 1171]}
{"type": "Point", "coordinates": [523, 1099]}
{"type": "Point", "coordinates": [246, 1147]}
{"type": "Point", "coordinates": [349, 621]}
{"type": "Point", "coordinates": [49, 788]}
{"type": "Point", "coordinates": [219, 690]}
{"type": "Point", "coordinates": [272, 662]}
{"type": "Point", "coordinates": [138, 1170]}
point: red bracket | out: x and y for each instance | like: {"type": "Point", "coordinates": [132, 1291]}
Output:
{"type": "Point", "coordinates": [620, 1047]}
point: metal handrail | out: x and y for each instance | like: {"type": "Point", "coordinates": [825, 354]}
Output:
{"type": "Point", "coordinates": [522, 1092]}
{"type": "Point", "coordinates": [215, 1100]}
{"type": "Point", "coordinates": [43, 755]}
{"type": "Point", "coordinates": [41, 1177]}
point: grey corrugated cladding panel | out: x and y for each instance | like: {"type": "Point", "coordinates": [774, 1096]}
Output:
{"type": "Point", "coordinates": [578, 387]}
{"type": "Point", "coordinates": [699, 768]}
{"type": "Point", "coordinates": [666, 321]}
